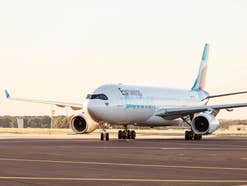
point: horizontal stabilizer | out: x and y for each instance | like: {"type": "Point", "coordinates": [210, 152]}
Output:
{"type": "Point", "coordinates": [223, 95]}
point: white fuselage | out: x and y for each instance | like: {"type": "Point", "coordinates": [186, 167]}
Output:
{"type": "Point", "coordinates": [122, 104]}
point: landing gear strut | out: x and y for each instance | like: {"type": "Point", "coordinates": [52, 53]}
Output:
{"type": "Point", "coordinates": [190, 135]}
{"type": "Point", "coordinates": [126, 134]}
{"type": "Point", "coordinates": [104, 135]}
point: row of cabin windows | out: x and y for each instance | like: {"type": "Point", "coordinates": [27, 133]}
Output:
{"type": "Point", "coordinates": [97, 96]}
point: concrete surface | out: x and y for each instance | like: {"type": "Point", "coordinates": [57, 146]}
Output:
{"type": "Point", "coordinates": [27, 160]}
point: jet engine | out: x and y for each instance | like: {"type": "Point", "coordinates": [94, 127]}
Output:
{"type": "Point", "coordinates": [204, 123]}
{"type": "Point", "coordinates": [80, 125]}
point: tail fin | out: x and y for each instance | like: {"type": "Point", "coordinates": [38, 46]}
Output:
{"type": "Point", "coordinates": [202, 74]}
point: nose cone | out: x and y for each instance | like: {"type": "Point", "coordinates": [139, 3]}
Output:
{"type": "Point", "coordinates": [97, 109]}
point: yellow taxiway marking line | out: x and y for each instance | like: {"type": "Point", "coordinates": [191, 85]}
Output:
{"type": "Point", "coordinates": [125, 164]}
{"type": "Point", "coordinates": [121, 179]}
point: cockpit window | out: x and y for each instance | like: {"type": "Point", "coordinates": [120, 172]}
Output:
{"type": "Point", "coordinates": [97, 96]}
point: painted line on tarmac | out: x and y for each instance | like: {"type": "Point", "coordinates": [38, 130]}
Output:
{"type": "Point", "coordinates": [150, 148]}
{"type": "Point", "coordinates": [205, 148]}
{"type": "Point", "coordinates": [121, 179]}
{"type": "Point", "coordinates": [125, 164]}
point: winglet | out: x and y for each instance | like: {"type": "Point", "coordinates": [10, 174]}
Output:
{"type": "Point", "coordinates": [7, 95]}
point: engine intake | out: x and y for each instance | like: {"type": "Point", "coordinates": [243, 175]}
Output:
{"type": "Point", "coordinates": [201, 124]}
{"type": "Point", "coordinates": [204, 123]}
{"type": "Point", "coordinates": [80, 124]}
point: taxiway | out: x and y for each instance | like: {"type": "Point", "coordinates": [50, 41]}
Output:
{"type": "Point", "coordinates": [77, 161]}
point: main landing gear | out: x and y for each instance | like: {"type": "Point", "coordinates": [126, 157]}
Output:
{"type": "Point", "coordinates": [190, 135]}
{"type": "Point", "coordinates": [130, 134]}
{"type": "Point", "coordinates": [126, 134]}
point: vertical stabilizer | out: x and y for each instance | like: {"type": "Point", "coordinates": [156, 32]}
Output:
{"type": "Point", "coordinates": [202, 74]}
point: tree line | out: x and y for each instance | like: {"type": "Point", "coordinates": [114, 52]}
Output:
{"type": "Point", "coordinates": [63, 122]}
{"type": "Point", "coordinates": [35, 121]}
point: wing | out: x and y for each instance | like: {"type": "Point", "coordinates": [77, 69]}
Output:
{"type": "Point", "coordinates": [74, 106]}
{"type": "Point", "coordinates": [173, 113]}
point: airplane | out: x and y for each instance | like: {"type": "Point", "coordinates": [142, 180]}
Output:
{"type": "Point", "coordinates": [126, 105]}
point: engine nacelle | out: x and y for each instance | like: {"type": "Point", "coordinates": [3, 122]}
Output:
{"type": "Point", "coordinates": [204, 123]}
{"type": "Point", "coordinates": [80, 125]}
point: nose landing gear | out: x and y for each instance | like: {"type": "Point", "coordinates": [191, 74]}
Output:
{"type": "Point", "coordinates": [104, 135]}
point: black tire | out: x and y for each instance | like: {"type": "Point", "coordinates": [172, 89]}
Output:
{"type": "Point", "coordinates": [124, 135]}
{"type": "Point", "coordinates": [102, 136]}
{"type": "Point", "coordinates": [120, 135]}
{"type": "Point", "coordinates": [191, 135]}
{"type": "Point", "coordinates": [133, 134]}
{"type": "Point", "coordinates": [200, 137]}
{"type": "Point", "coordinates": [107, 136]}
{"type": "Point", "coordinates": [129, 135]}
{"type": "Point", "coordinates": [197, 137]}
{"type": "Point", "coordinates": [186, 135]}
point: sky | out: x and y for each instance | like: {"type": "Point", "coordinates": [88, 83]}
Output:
{"type": "Point", "coordinates": [61, 49]}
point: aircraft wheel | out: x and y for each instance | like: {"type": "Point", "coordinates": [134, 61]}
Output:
{"type": "Point", "coordinates": [102, 136]}
{"type": "Point", "coordinates": [120, 134]}
{"type": "Point", "coordinates": [129, 135]}
{"type": "Point", "coordinates": [107, 136]}
{"type": "Point", "coordinates": [200, 138]}
{"type": "Point", "coordinates": [188, 135]}
{"type": "Point", "coordinates": [197, 137]}
{"type": "Point", "coordinates": [124, 135]}
{"type": "Point", "coordinates": [133, 134]}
